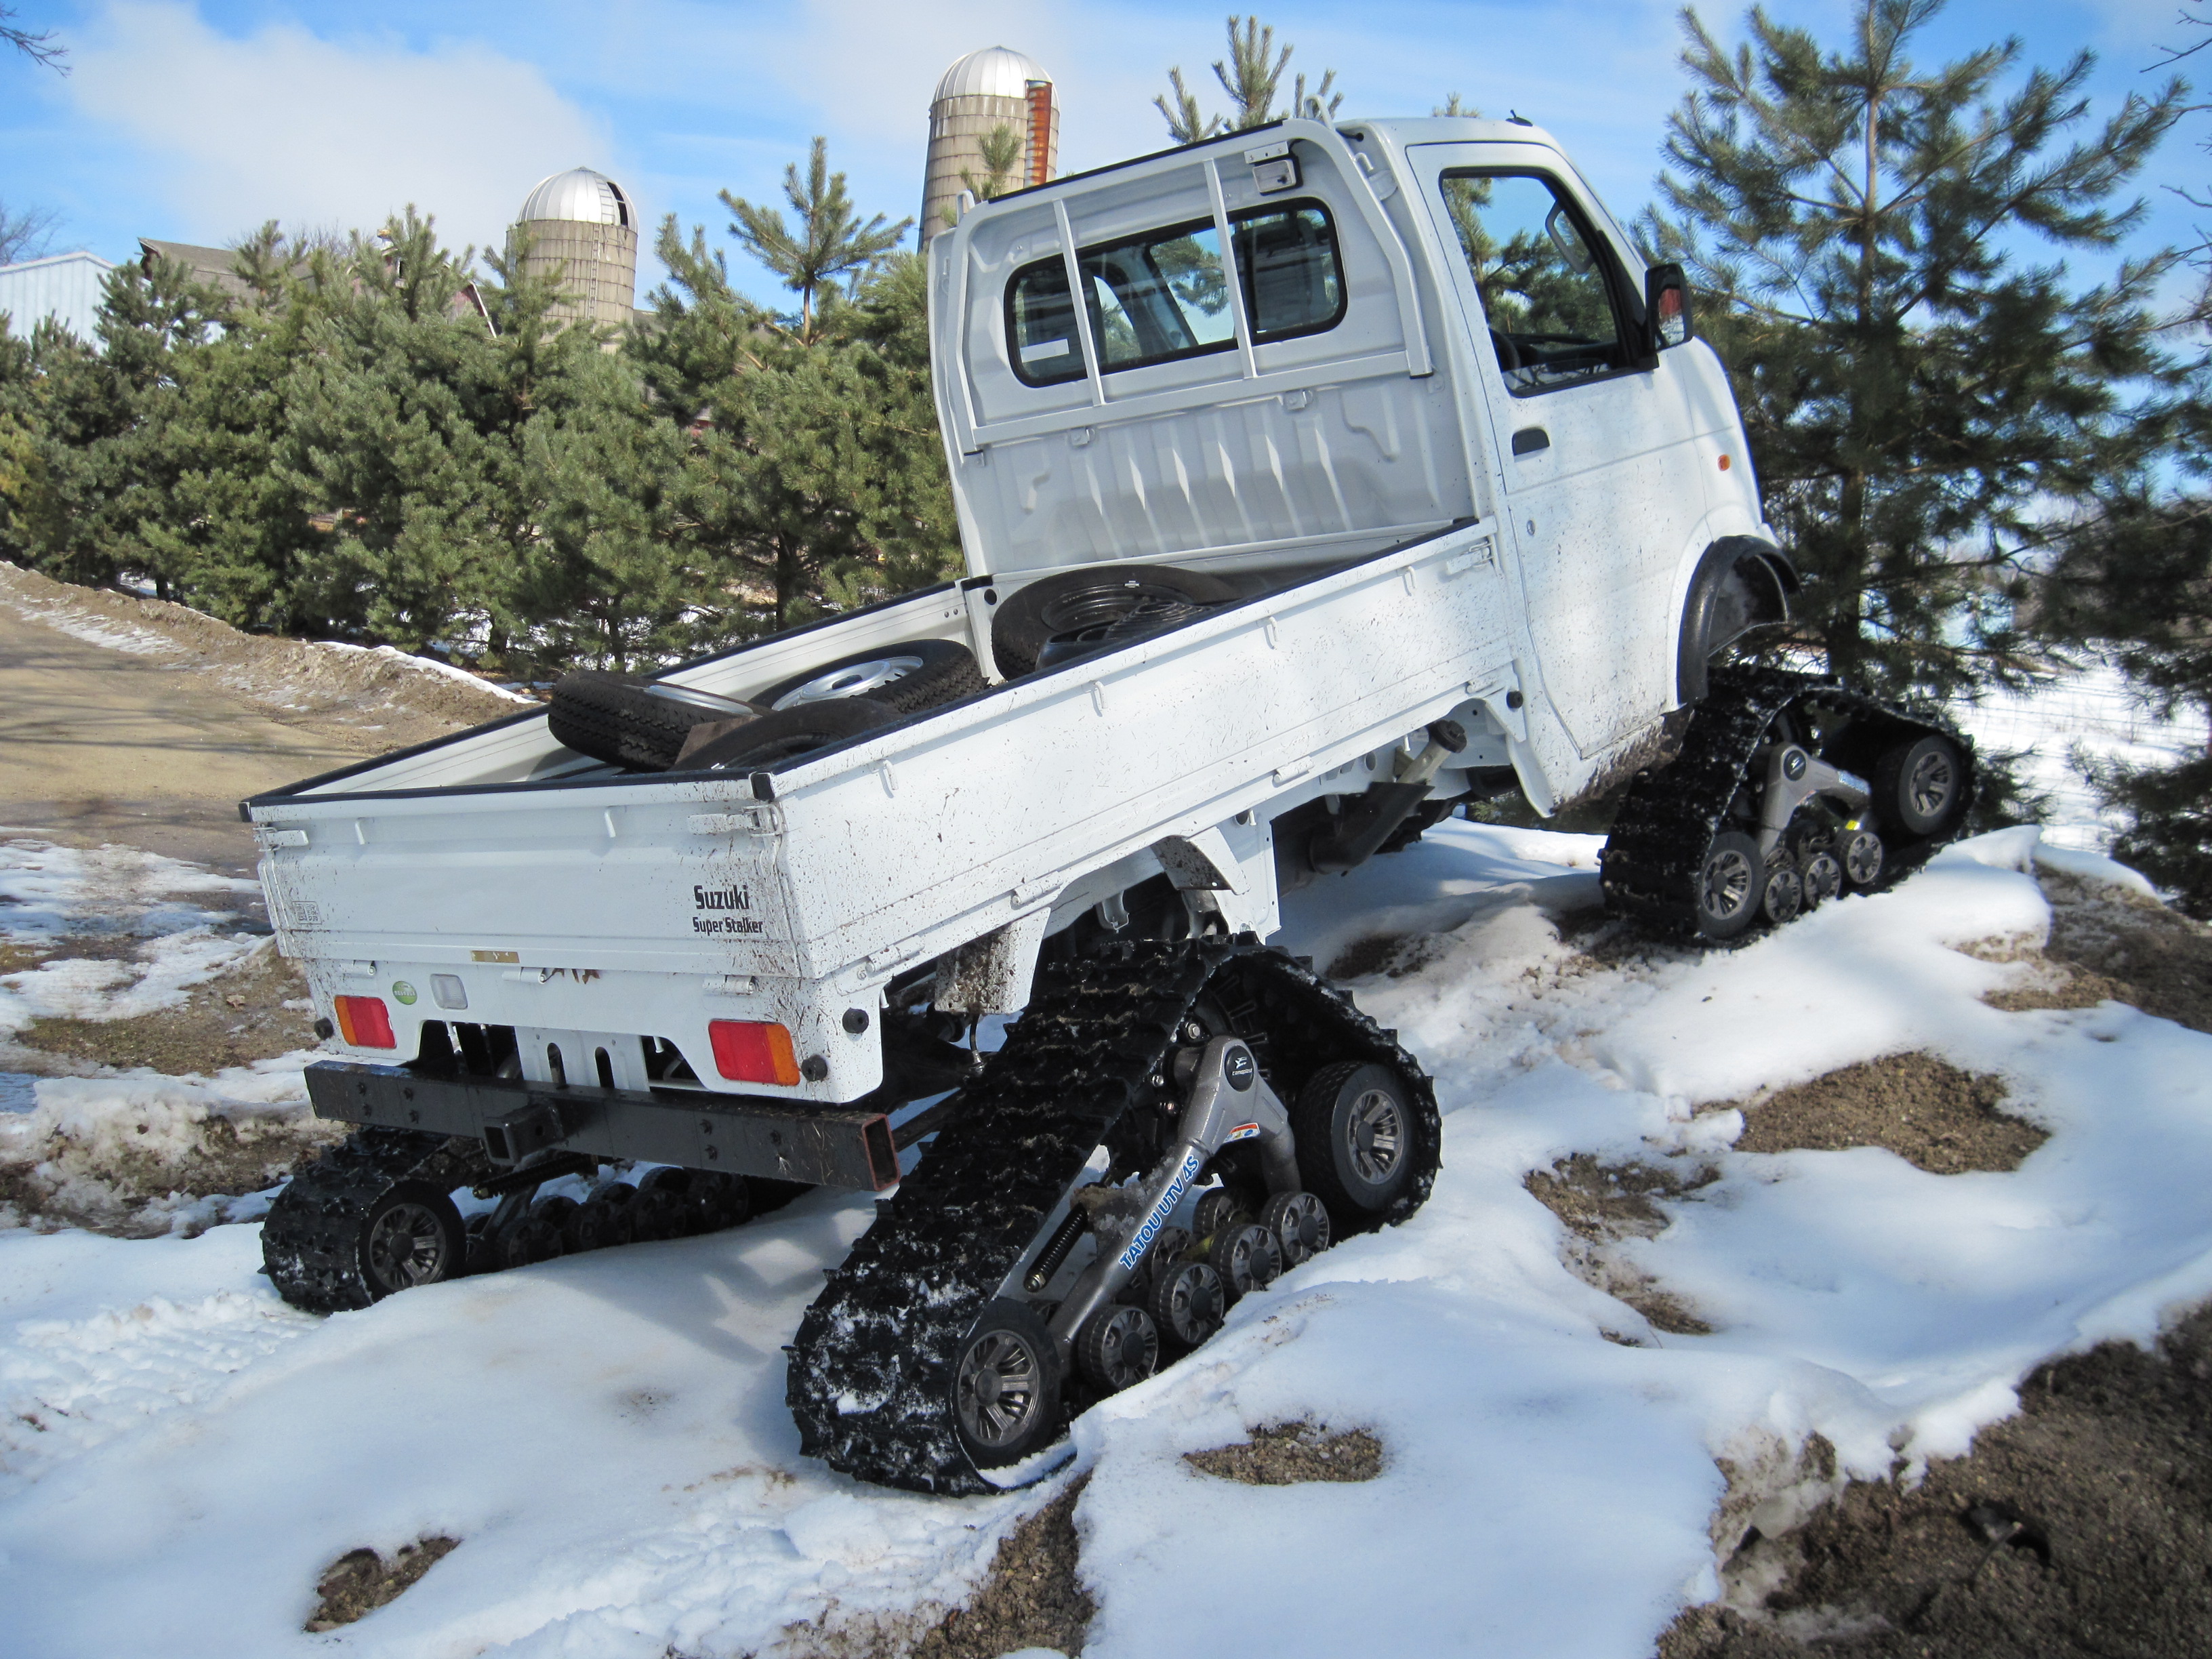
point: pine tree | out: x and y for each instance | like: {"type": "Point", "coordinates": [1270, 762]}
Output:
{"type": "Point", "coordinates": [1001, 150]}
{"type": "Point", "coordinates": [1920, 396]}
{"type": "Point", "coordinates": [1252, 76]}
{"type": "Point", "coordinates": [830, 241]}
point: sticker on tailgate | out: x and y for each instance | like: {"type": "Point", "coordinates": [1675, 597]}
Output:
{"type": "Point", "coordinates": [734, 904]}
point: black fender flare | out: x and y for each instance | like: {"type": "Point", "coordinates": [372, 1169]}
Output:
{"type": "Point", "coordinates": [1740, 583]}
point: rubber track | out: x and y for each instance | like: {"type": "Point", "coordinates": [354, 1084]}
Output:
{"type": "Point", "coordinates": [870, 1379]}
{"type": "Point", "coordinates": [1670, 814]}
{"type": "Point", "coordinates": [311, 1244]}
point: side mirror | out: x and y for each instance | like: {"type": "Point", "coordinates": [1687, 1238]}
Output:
{"type": "Point", "coordinates": [1666, 307]}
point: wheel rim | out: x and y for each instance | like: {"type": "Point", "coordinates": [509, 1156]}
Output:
{"type": "Point", "coordinates": [1102, 607]}
{"type": "Point", "coordinates": [1728, 885]}
{"type": "Point", "coordinates": [1194, 1303]}
{"type": "Point", "coordinates": [692, 698]}
{"type": "Point", "coordinates": [1376, 1132]}
{"type": "Point", "coordinates": [1132, 1347]}
{"type": "Point", "coordinates": [407, 1247]}
{"type": "Point", "coordinates": [1824, 878]}
{"type": "Point", "coordinates": [1784, 897]}
{"type": "Point", "coordinates": [1862, 858]}
{"type": "Point", "coordinates": [855, 680]}
{"type": "Point", "coordinates": [997, 1389]}
{"type": "Point", "coordinates": [1933, 783]}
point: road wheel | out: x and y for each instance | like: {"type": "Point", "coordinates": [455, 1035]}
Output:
{"type": "Point", "coordinates": [1353, 1123]}
{"type": "Point", "coordinates": [1299, 1222]}
{"type": "Point", "coordinates": [1731, 884]}
{"type": "Point", "coordinates": [1118, 1346]}
{"type": "Point", "coordinates": [1186, 1300]}
{"type": "Point", "coordinates": [1863, 857]}
{"type": "Point", "coordinates": [1006, 1386]}
{"type": "Point", "coordinates": [911, 677]}
{"type": "Point", "coordinates": [789, 732]}
{"type": "Point", "coordinates": [633, 722]}
{"type": "Point", "coordinates": [412, 1235]}
{"type": "Point", "coordinates": [1079, 606]}
{"type": "Point", "coordinates": [1920, 788]}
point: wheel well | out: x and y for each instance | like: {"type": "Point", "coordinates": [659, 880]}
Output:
{"type": "Point", "coordinates": [1740, 583]}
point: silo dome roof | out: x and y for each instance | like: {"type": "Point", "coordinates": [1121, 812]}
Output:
{"type": "Point", "coordinates": [993, 72]}
{"type": "Point", "coordinates": [579, 194]}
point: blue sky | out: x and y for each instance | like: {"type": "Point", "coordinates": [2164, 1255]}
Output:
{"type": "Point", "coordinates": [196, 119]}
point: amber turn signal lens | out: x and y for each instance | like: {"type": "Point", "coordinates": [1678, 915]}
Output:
{"type": "Point", "coordinates": [364, 1023]}
{"type": "Point", "coordinates": [753, 1051]}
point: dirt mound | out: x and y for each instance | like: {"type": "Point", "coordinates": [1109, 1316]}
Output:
{"type": "Point", "coordinates": [256, 1009]}
{"type": "Point", "coordinates": [1292, 1454]}
{"type": "Point", "coordinates": [1927, 1111]}
{"type": "Point", "coordinates": [1603, 1203]}
{"type": "Point", "coordinates": [382, 697]}
{"type": "Point", "coordinates": [359, 1582]}
{"type": "Point", "coordinates": [2081, 1525]}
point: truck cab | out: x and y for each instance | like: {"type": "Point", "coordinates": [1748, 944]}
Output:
{"type": "Point", "coordinates": [1302, 344]}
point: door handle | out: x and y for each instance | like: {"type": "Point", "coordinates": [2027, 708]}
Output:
{"type": "Point", "coordinates": [1530, 439]}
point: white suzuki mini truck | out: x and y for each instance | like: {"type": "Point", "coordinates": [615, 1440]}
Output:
{"type": "Point", "coordinates": [1313, 481]}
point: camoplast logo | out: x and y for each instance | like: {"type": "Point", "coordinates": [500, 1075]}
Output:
{"type": "Point", "coordinates": [736, 902]}
{"type": "Point", "coordinates": [1142, 1239]}
{"type": "Point", "coordinates": [1242, 1132]}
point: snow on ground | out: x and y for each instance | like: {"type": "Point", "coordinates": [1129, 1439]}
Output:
{"type": "Point", "coordinates": [606, 1434]}
{"type": "Point", "coordinates": [2091, 710]}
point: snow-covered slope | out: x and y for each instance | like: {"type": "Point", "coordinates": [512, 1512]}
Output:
{"type": "Point", "coordinates": [183, 1455]}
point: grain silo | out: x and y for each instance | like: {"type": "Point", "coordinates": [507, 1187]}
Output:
{"type": "Point", "coordinates": [583, 221]}
{"type": "Point", "coordinates": [982, 92]}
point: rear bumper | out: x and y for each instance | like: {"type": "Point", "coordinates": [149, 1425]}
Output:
{"type": "Point", "coordinates": [823, 1147]}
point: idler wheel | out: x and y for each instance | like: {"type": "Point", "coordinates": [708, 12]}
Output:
{"type": "Point", "coordinates": [1919, 787]}
{"type": "Point", "coordinates": [1730, 885]}
{"type": "Point", "coordinates": [413, 1237]}
{"type": "Point", "coordinates": [1005, 1385]}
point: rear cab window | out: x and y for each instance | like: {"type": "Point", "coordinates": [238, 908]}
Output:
{"type": "Point", "coordinates": [1165, 294]}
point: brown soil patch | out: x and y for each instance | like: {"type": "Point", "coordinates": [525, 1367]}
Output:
{"type": "Point", "coordinates": [2150, 956]}
{"type": "Point", "coordinates": [234, 1019]}
{"type": "Point", "coordinates": [2083, 1525]}
{"type": "Point", "coordinates": [1927, 1111]}
{"type": "Point", "coordinates": [1031, 1597]}
{"type": "Point", "coordinates": [1602, 1203]}
{"type": "Point", "coordinates": [359, 1582]}
{"type": "Point", "coordinates": [1290, 1454]}
{"type": "Point", "coordinates": [116, 1189]}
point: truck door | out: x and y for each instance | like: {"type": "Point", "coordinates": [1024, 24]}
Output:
{"type": "Point", "coordinates": [1603, 491]}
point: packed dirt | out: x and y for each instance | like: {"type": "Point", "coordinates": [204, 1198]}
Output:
{"type": "Point", "coordinates": [359, 1582]}
{"type": "Point", "coordinates": [2083, 1525]}
{"type": "Point", "coordinates": [1030, 1597]}
{"type": "Point", "coordinates": [257, 1010]}
{"type": "Point", "coordinates": [1600, 1205]}
{"type": "Point", "coordinates": [130, 719]}
{"type": "Point", "coordinates": [1926, 1111]}
{"type": "Point", "coordinates": [1292, 1454]}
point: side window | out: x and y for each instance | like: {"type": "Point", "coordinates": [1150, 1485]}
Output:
{"type": "Point", "coordinates": [1165, 294]}
{"type": "Point", "coordinates": [1536, 265]}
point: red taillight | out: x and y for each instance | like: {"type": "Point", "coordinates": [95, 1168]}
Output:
{"type": "Point", "coordinates": [753, 1051]}
{"type": "Point", "coordinates": [364, 1023]}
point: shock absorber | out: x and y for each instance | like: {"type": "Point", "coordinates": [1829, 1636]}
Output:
{"type": "Point", "coordinates": [1055, 1250]}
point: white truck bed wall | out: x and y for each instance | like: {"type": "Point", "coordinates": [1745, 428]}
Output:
{"type": "Point", "coordinates": [664, 902]}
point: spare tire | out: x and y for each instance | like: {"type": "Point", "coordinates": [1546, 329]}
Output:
{"type": "Point", "coordinates": [909, 676]}
{"type": "Point", "coordinates": [634, 722]}
{"type": "Point", "coordinates": [1092, 601]}
{"type": "Point", "coordinates": [799, 730]}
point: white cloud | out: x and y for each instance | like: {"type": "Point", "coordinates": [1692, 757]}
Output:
{"type": "Point", "coordinates": [284, 124]}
